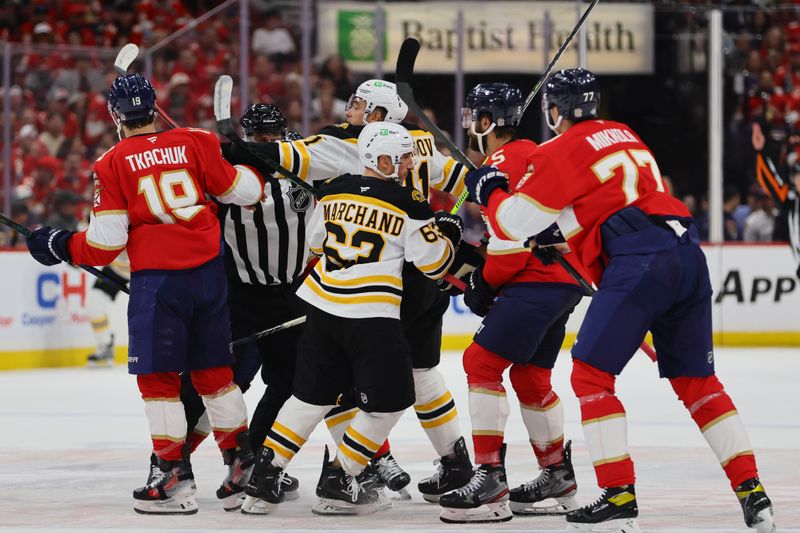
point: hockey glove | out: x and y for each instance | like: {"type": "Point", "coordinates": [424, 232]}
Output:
{"type": "Point", "coordinates": [478, 295]}
{"type": "Point", "coordinates": [451, 226]}
{"type": "Point", "coordinates": [482, 181]}
{"type": "Point", "coordinates": [550, 236]}
{"type": "Point", "coordinates": [467, 259]}
{"type": "Point", "coordinates": [546, 254]}
{"type": "Point", "coordinates": [49, 246]}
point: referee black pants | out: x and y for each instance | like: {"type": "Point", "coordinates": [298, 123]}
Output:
{"type": "Point", "coordinates": [255, 308]}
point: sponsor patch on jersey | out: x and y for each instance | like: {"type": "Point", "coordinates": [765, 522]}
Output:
{"type": "Point", "coordinates": [299, 199]}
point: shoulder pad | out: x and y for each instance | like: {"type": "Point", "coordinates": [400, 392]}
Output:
{"type": "Point", "coordinates": [341, 131]}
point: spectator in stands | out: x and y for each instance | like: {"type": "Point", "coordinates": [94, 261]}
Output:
{"type": "Point", "coordinates": [760, 224]}
{"type": "Point", "coordinates": [730, 201]}
{"type": "Point", "coordinates": [65, 211]}
{"type": "Point", "coordinates": [53, 135]}
{"type": "Point", "coordinates": [272, 39]}
{"type": "Point", "coordinates": [334, 69]}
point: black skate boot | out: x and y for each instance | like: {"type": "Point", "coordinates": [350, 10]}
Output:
{"type": "Point", "coordinates": [451, 473]}
{"type": "Point", "coordinates": [371, 481]}
{"type": "Point", "coordinates": [615, 507]}
{"type": "Point", "coordinates": [240, 461]}
{"type": "Point", "coordinates": [265, 489]}
{"type": "Point", "coordinates": [341, 494]}
{"type": "Point", "coordinates": [103, 357]}
{"type": "Point", "coordinates": [551, 493]}
{"type": "Point", "coordinates": [483, 499]}
{"type": "Point", "coordinates": [756, 506]}
{"type": "Point", "coordinates": [171, 491]}
{"type": "Point", "coordinates": [290, 487]}
{"type": "Point", "coordinates": [393, 476]}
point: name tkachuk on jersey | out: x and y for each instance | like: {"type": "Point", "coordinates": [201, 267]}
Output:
{"type": "Point", "coordinates": [150, 198]}
{"type": "Point", "coordinates": [365, 229]}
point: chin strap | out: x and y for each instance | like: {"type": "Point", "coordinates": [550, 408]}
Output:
{"type": "Point", "coordinates": [480, 136]}
{"type": "Point", "coordinates": [550, 123]}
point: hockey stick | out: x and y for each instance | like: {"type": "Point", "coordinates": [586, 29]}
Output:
{"type": "Point", "coordinates": [539, 83]}
{"type": "Point", "coordinates": [404, 72]}
{"type": "Point", "coordinates": [222, 112]}
{"type": "Point", "coordinates": [25, 232]}
{"type": "Point", "coordinates": [127, 55]}
{"type": "Point", "coordinates": [269, 331]}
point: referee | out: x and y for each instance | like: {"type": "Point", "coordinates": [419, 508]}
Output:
{"type": "Point", "coordinates": [265, 257]}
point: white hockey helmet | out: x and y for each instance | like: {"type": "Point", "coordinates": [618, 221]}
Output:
{"type": "Point", "coordinates": [384, 138]}
{"type": "Point", "coordinates": [379, 93]}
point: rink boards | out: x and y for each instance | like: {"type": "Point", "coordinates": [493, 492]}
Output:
{"type": "Point", "coordinates": [44, 320]}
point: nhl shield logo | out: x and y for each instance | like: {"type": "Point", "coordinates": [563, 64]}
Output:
{"type": "Point", "coordinates": [299, 199]}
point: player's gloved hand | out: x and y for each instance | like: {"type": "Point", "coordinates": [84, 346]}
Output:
{"type": "Point", "coordinates": [467, 259]}
{"type": "Point", "coordinates": [49, 246]}
{"type": "Point", "coordinates": [478, 295]}
{"type": "Point", "coordinates": [482, 181]}
{"type": "Point", "coordinates": [451, 226]}
{"type": "Point", "coordinates": [550, 236]}
{"type": "Point", "coordinates": [546, 254]}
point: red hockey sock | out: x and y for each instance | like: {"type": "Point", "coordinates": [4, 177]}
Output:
{"type": "Point", "coordinates": [604, 425]}
{"type": "Point", "coordinates": [488, 405]}
{"type": "Point", "coordinates": [383, 450]}
{"type": "Point", "coordinates": [714, 413]}
{"type": "Point", "coordinates": [542, 412]}
{"type": "Point", "coordinates": [161, 393]}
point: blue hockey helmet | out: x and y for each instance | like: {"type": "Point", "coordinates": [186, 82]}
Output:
{"type": "Point", "coordinates": [502, 102]}
{"type": "Point", "coordinates": [574, 92]}
{"type": "Point", "coordinates": [131, 98]}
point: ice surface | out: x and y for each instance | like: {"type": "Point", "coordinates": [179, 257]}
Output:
{"type": "Point", "coordinates": [74, 443]}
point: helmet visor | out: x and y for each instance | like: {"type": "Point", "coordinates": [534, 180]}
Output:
{"type": "Point", "coordinates": [467, 117]}
{"type": "Point", "coordinates": [354, 102]}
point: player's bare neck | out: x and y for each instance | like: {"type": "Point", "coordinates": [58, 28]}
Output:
{"type": "Point", "coordinates": [150, 128]}
{"type": "Point", "coordinates": [368, 172]}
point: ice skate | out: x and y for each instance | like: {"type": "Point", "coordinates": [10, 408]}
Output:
{"type": "Point", "coordinates": [240, 462]}
{"type": "Point", "coordinates": [170, 492]}
{"type": "Point", "coordinates": [264, 491]}
{"type": "Point", "coordinates": [290, 488]}
{"type": "Point", "coordinates": [392, 474]}
{"type": "Point", "coordinates": [615, 511]}
{"type": "Point", "coordinates": [551, 493]}
{"type": "Point", "coordinates": [154, 469]}
{"type": "Point", "coordinates": [756, 506]}
{"type": "Point", "coordinates": [370, 480]}
{"type": "Point", "coordinates": [103, 357]}
{"type": "Point", "coordinates": [342, 494]}
{"type": "Point", "coordinates": [451, 473]}
{"type": "Point", "coordinates": [483, 499]}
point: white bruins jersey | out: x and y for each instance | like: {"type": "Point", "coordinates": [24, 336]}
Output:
{"type": "Point", "coordinates": [365, 229]}
{"type": "Point", "coordinates": [334, 151]}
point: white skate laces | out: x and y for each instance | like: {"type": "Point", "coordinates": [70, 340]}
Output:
{"type": "Point", "coordinates": [478, 476]}
{"type": "Point", "coordinates": [439, 471]}
{"type": "Point", "coordinates": [540, 480]}
{"type": "Point", "coordinates": [388, 467]}
{"type": "Point", "coordinates": [353, 489]}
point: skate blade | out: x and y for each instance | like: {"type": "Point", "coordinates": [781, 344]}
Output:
{"type": "Point", "coordinates": [487, 513]}
{"type": "Point", "coordinates": [432, 498]}
{"type": "Point", "coordinates": [384, 503]}
{"type": "Point", "coordinates": [623, 525]}
{"type": "Point", "coordinates": [556, 507]}
{"type": "Point", "coordinates": [291, 495]}
{"type": "Point", "coordinates": [325, 506]}
{"type": "Point", "coordinates": [399, 495]}
{"type": "Point", "coordinates": [185, 505]}
{"type": "Point", "coordinates": [233, 502]}
{"type": "Point", "coordinates": [100, 364]}
{"type": "Point", "coordinates": [766, 523]}
{"type": "Point", "coordinates": [253, 505]}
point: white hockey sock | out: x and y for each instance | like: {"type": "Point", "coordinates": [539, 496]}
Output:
{"type": "Point", "coordinates": [295, 422]}
{"type": "Point", "coordinates": [363, 437]}
{"type": "Point", "coordinates": [436, 410]}
{"type": "Point", "coordinates": [488, 411]}
{"type": "Point", "coordinates": [97, 305]}
{"type": "Point", "coordinates": [167, 422]}
{"type": "Point", "coordinates": [337, 420]}
{"type": "Point", "coordinates": [545, 425]}
{"type": "Point", "coordinates": [227, 414]}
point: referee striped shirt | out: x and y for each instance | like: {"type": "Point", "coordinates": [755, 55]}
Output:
{"type": "Point", "coordinates": [266, 246]}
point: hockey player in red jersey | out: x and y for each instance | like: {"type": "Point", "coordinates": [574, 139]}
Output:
{"type": "Point", "coordinates": [601, 184]}
{"type": "Point", "coordinates": [151, 200]}
{"type": "Point", "coordinates": [514, 286]}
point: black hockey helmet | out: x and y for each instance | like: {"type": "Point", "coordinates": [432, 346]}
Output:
{"type": "Point", "coordinates": [131, 98]}
{"type": "Point", "coordinates": [574, 92]}
{"type": "Point", "coordinates": [501, 101]}
{"type": "Point", "coordinates": [263, 118]}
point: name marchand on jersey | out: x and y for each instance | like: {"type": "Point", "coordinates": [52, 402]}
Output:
{"type": "Point", "coordinates": [365, 229]}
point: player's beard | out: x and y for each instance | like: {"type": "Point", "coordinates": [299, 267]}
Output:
{"type": "Point", "coordinates": [473, 142]}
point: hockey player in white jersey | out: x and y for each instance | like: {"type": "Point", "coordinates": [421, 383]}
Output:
{"type": "Point", "coordinates": [365, 227]}
{"type": "Point", "coordinates": [99, 300]}
{"type": "Point", "coordinates": [332, 152]}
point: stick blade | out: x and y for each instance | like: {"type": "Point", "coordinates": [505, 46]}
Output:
{"type": "Point", "coordinates": [406, 58]}
{"type": "Point", "coordinates": [125, 57]}
{"type": "Point", "coordinates": [222, 98]}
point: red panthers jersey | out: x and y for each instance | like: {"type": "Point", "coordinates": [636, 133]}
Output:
{"type": "Point", "coordinates": [579, 179]}
{"type": "Point", "coordinates": [151, 198]}
{"type": "Point", "coordinates": [510, 261]}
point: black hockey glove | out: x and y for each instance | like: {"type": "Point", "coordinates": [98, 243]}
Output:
{"type": "Point", "coordinates": [478, 296]}
{"type": "Point", "coordinates": [451, 226]}
{"type": "Point", "coordinates": [482, 181]}
{"type": "Point", "coordinates": [546, 254]}
{"type": "Point", "coordinates": [49, 246]}
{"type": "Point", "coordinates": [467, 259]}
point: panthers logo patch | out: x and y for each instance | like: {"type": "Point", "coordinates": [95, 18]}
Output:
{"type": "Point", "coordinates": [299, 199]}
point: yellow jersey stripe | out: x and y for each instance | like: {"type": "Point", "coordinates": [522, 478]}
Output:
{"type": "Point", "coordinates": [364, 280]}
{"type": "Point", "coordinates": [377, 298]}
